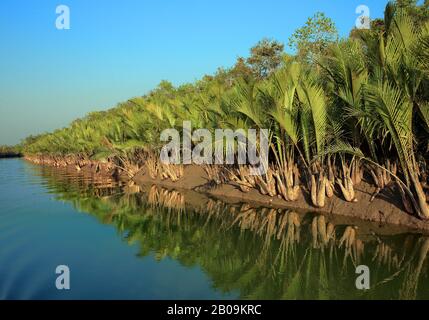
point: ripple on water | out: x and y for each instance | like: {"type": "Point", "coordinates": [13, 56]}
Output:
{"type": "Point", "coordinates": [21, 271]}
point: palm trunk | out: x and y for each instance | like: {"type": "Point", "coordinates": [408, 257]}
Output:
{"type": "Point", "coordinates": [423, 209]}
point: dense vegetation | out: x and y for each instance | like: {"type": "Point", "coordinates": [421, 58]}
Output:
{"type": "Point", "coordinates": [337, 109]}
{"type": "Point", "coordinates": [9, 152]}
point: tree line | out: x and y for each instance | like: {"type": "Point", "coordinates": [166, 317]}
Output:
{"type": "Point", "coordinates": [337, 110]}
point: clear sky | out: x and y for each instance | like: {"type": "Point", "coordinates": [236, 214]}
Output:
{"type": "Point", "coordinates": [116, 49]}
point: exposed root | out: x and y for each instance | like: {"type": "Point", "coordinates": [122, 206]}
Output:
{"type": "Point", "coordinates": [243, 178]}
{"type": "Point", "coordinates": [216, 173]}
{"type": "Point", "coordinates": [129, 168]}
{"type": "Point", "coordinates": [318, 190]}
{"type": "Point", "coordinates": [267, 183]}
{"type": "Point", "coordinates": [152, 166]}
{"type": "Point", "coordinates": [288, 181]}
{"type": "Point", "coordinates": [357, 172]}
{"type": "Point", "coordinates": [346, 183]}
{"type": "Point", "coordinates": [172, 171]}
{"type": "Point", "coordinates": [382, 178]}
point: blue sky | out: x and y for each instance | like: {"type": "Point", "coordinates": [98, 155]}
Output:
{"type": "Point", "coordinates": [116, 50]}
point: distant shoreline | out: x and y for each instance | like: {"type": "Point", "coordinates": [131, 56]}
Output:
{"type": "Point", "coordinates": [10, 156]}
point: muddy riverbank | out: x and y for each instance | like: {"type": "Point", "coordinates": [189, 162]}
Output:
{"type": "Point", "coordinates": [385, 210]}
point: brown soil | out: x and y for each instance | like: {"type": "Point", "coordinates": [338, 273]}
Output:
{"type": "Point", "coordinates": [386, 210]}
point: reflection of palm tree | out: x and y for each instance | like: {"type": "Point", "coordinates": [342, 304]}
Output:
{"type": "Point", "coordinates": [261, 253]}
{"type": "Point", "coordinates": [413, 272]}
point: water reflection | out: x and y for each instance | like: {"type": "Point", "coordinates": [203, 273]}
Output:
{"type": "Point", "coordinates": [263, 253]}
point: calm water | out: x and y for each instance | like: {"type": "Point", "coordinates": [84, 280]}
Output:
{"type": "Point", "coordinates": [132, 243]}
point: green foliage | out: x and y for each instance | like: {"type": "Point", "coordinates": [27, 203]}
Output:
{"type": "Point", "coordinates": [9, 151]}
{"type": "Point", "coordinates": [366, 95]}
{"type": "Point", "coordinates": [311, 40]}
{"type": "Point", "coordinates": [265, 57]}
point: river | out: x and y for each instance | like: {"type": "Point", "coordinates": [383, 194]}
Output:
{"type": "Point", "coordinates": [152, 243]}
